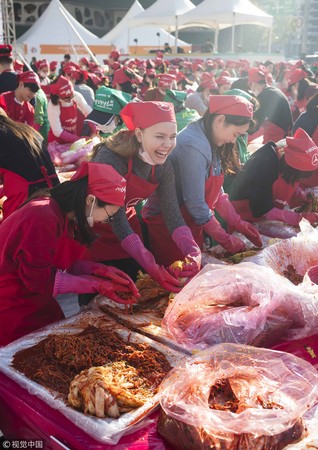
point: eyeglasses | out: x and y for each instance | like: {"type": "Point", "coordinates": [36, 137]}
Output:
{"type": "Point", "coordinates": [110, 218]}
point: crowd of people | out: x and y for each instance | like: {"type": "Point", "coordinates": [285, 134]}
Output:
{"type": "Point", "coordinates": [172, 170]}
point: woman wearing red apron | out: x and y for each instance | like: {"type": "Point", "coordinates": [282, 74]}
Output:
{"type": "Point", "coordinates": [25, 165]}
{"type": "Point", "coordinates": [62, 112]}
{"type": "Point", "coordinates": [140, 155]}
{"type": "Point", "coordinates": [268, 181]}
{"type": "Point", "coordinates": [274, 114]}
{"type": "Point", "coordinates": [41, 252]}
{"type": "Point", "coordinates": [43, 67]}
{"type": "Point", "coordinates": [308, 121]}
{"type": "Point", "coordinates": [198, 164]}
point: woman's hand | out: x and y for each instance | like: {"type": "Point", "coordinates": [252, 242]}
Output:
{"type": "Point", "coordinates": [250, 232]}
{"type": "Point", "coordinates": [117, 276]}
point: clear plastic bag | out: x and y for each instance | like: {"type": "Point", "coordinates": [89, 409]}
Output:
{"type": "Point", "coordinates": [243, 304]}
{"type": "Point", "coordinates": [299, 251]}
{"type": "Point", "coordinates": [71, 153]}
{"type": "Point", "coordinates": [273, 391]}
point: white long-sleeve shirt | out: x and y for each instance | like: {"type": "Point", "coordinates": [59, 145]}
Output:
{"type": "Point", "coordinates": [54, 112]}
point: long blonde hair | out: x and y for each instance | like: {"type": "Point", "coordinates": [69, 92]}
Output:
{"type": "Point", "coordinates": [124, 143]}
{"type": "Point", "coordinates": [21, 131]}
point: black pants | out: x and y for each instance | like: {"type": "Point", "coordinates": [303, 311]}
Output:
{"type": "Point", "coordinates": [127, 265]}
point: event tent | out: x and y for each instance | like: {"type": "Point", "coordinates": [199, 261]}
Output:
{"type": "Point", "coordinates": [163, 13]}
{"type": "Point", "coordinates": [138, 40]}
{"type": "Point", "coordinates": [55, 33]}
{"type": "Point", "coordinates": [218, 14]}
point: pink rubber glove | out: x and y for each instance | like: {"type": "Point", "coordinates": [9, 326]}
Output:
{"type": "Point", "coordinates": [234, 222]}
{"type": "Point", "coordinates": [250, 232]}
{"type": "Point", "coordinates": [86, 284]}
{"type": "Point", "coordinates": [69, 137]}
{"type": "Point", "coordinates": [227, 211]}
{"type": "Point", "coordinates": [132, 244]}
{"type": "Point", "coordinates": [182, 236]}
{"type": "Point", "coordinates": [101, 270]}
{"type": "Point", "coordinates": [290, 217]}
{"type": "Point", "coordinates": [231, 243]}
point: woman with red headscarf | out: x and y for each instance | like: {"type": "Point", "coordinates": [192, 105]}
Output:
{"type": "Point", "coordinates": [17, 103]}
{"type": "Point", "coordinates": [270, 178]}
{"type": "Point", "coordinates": [63, 113]}
{"type": "Point", "coordinates": [165, 81]}
{"type": "Point", "coordinates": [42, 246]}
{"type": "Point", "coordinates": [200, 160]}
{"type": "Point", "coordinates": [140, 155]}
{"type": "Point", "coordinates": [43, 67]}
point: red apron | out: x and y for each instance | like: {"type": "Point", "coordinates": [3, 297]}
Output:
{"type": "Point", "coordinates": [79, 122]}
{"type": "Point", "coordinates": [242, 207]}
{"type": "Point", "coordinates": [107, 246]}
{"type": "Point", "coordinates": [272, 132]}
{"type": "Point", "coordinates": [46, 88]}
{"type": "Point", "coordinates": [282, 192]}
{"type": "Point", "coordinates": [16, 189]}
{"type": "Point", "coordinates": [68, 119]}
{"type": "Point", "coordinates": [161, 243]}
{"type": "Point", "coordinates": [313, 180]}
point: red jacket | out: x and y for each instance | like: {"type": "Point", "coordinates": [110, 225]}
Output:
{"type": "Point", "coordinates": [29, 239]}
{"type": "Point", "coordinates": [18, 112]}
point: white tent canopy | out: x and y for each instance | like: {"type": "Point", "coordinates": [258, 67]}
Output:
{"type": "Point", "coordinates": [218, 15]}
{"type": "Point", "coordinates": [56, 32]}
{"type": "Point", "coordinates": [138, 39]}
{"type": "Point", "coordinates": [163, 13]}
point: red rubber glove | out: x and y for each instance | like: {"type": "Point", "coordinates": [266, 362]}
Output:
{"type": "Point", "coordinates": [290, 217]}
{"type": "Point", "coordinates": [234, 222]}
{"type": "Point", "coordinates": [231, 243]}
{"type": "Point", "coordinates": [103, 271]}
{"type": "Point", "coordinates": [182, 236]}
{"type": "Point", "coordinates": [136, 249]}
{"type": "Point", "coordinates": [65, 283]}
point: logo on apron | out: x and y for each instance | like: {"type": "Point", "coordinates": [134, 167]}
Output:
{"type": "Point", "coordinates": [133, 202]}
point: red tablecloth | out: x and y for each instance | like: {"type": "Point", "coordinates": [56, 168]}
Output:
{"type": "Point", "coordinates": [24, 416]}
